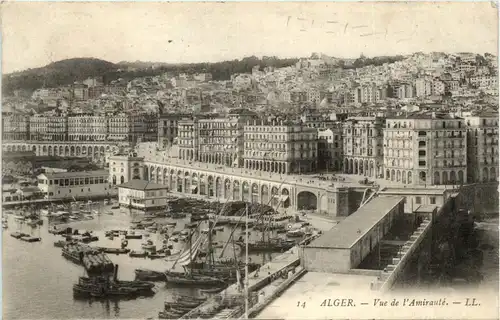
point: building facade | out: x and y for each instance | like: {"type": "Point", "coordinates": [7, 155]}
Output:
{"type": "Point", "coordinates": [77, 185]}
{"type": "Point", "coordinates": [280, 147]}
{"type": "Point", "coordinates": [87, 128]}
{"type": "Point", "coordinates": [15, 127]}
{"type": "Point", "coordinates": [425, 150]}
{"type": "Point", "coordinates": [363, 146]}
{"type": "Point", "coordinates": [330, 148]}
{"type": "Point", "coordinates": [482, 147]}
{"type": "Point", "coordinates": [124, 168]}
{"type": "Point", "coordinates": [142, 195]}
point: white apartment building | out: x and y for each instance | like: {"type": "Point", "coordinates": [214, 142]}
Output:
{"type": "Point", "coordinates": [78, 185]}
{"type": "Point", "coordinates": [362, 150]}
{"type": "Point", "coordinates": [220, 141]}
{"type": "Point", "coordinates": [187, 139]}
{"type": "Point", "coordinates": [482, 147]}
{"type": "Point", "coordinates": [142, 195]}
{"type": "Point", "coordinates": [425, 150]}
{"type": "Point", "coordinates": [280, 147]}
{"type": "Point", "coordinates": [87, 128]}
{"type": "Point", "coordinates": [423, 87]}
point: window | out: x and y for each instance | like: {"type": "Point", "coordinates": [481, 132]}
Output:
{"type": "Point", "coordinates": [433, 200]}
{"type": "Point", "coordinates": [422, 152]}
{"type": "Point", "coordinates": [69, 190]}
{"type": "Point", "coordinates": [82, 189]}
{"type": "Point", "coordinates": [51, 193]}
{"type": "Point", "coordinates": [56, 181]}
{"type": "Point", "coordinates": [418, 200]}
{"type": "Point", "coordinates": [422, 163]}
{"type": "Point", "coordinates": [50, 182]}
{"type": "Point", "coordinates": [58, 191]}
{"type": "Point", "coordinates": [89, 189]}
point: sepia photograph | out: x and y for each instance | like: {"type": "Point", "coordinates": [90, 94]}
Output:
{"type": "Point", "coordinates": [239, 160]}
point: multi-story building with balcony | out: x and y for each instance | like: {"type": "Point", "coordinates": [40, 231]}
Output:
{"type": "Point", "coordinates": [15, 127]}
{"type": "Point", "coordinates": [118, 127]}
{"type": "Point", "coordinates": [44, 128]}
{"type": "Point", "coordinates": [220, 141]}
{"type": "Point", "coordinates": [330, 148]}
{"type": "Point", "coordinates": [214, 140]}
{"type": "Point", "coordinates": [362, 150]}
{"type": "Point", "coordinates": [87, 128]}
{"type": "Point", "coordinates": [482, 147]}
{"type": "Point", "coordinates": [143, 127]}
{"type": "Point", "coordinates": [187, 139]}
{"type": "Point", "coordinates": [280, 147]}
{"type": "Point", "coordinates": [425, 149]}
{"type": "Point", "coordinates": [168, 128]}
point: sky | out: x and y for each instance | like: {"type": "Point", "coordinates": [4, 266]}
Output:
{"type": "Point", "coordinates": [35, 34]}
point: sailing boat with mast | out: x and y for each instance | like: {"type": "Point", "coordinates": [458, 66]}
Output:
{"type": "Point", "coordinates": [188, 277]}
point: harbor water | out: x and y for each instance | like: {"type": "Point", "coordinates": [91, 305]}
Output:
{"type": "Point", "coordinates": [37, 280]}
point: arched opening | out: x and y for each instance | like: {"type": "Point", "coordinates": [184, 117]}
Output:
{"type": "Point", "coordinates": [444, 177]}
{"type": "Point", "coordinates": [387, 174]}
{"type": "Point", "coordinates": [409, 177]}
{"type": "Point", "coordinates": [187, 183]}
{"type": "Point", "coordinates": [210, 189]}
{"type": "Point", "coordinates": [264, 196]}
{"type": "Point", "coordinates": [122, 180]}
{"type": "Point", "coordinates": [218, 187]}
{"type": "Point", "coordinates": [307, 200]}
{"type": "Point", "coordinates": [460, 177]}
{"type": "Point", "coordinates": [285, 198]}
{"type": "Point", "coordinates": [423, 176]}
{"type": "Point", "coordinates": [114, 180]}
{"type": "Point", "coordinates": [485, 175]}
{"type": "Point", "coordinates": [246, 191]}
{"type": "Point", "coordinates": [180, 182]}
{"type": "Point", "coordinates": [236, 190]}
{"type": "Point", "coordinates": [274, 197]}
{"type": "Point", "coordinates": [453, 177]}
{"type": "Point", "coordinates": [393, 175]}
{"type": "Point", "coordinates": [437, 178]}
{"type": "Point", "coordinates": [227, 189]}
{"type": "Point", "coordinates": [255, 193]}
{"type": "Point", "coordinates": [146, 173]}
{"type": "Point", "coordinates": [493, 174]}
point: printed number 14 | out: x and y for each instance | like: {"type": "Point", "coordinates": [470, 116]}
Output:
{"type": "Point", "coordinates": [299, 304]}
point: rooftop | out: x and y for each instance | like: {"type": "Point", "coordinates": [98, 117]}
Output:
{"type": "Point", "coordinates": [142, 185]}
{"type": "Point", "coordinates": [73, 174]}
{"type": "Point", "coordinates": [345, 234]}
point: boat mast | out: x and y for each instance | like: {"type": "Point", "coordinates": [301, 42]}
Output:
{"type": "Point", "coordinates": [190, 252]}
{"type": "Point", "coordinates": [211, 259]}
{"type": "Point", "coordinates": [246, 263]}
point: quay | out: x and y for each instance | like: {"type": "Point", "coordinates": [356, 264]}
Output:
{"type": "Point", "coordinates": [369, 253]}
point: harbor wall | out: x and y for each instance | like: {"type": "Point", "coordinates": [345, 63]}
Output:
{"type": "Point", "coordinates": [254, 311]}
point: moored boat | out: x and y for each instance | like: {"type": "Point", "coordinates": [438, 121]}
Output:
{"type": "Point", "coordinates": [191, 280]}
{"type": "Point", "coordinates": [137, 254]}
{"type": "Point", "coordinates": [149, 275]}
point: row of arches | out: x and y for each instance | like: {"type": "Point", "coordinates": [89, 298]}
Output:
{"type": "Point", "coordinates": [269, 166]}
{"type": "Point", "coordinates": [80, 150]}
{"type": "Point", "coordinates": [219, 187]}
{"type": "Point", "coordinates": [402, 176]}
{"type": "Point", "coordinates": [224, 159]}
{"type": "Point", "coordinates": [369, 168]}
{"type": "Point", "coordinates": [448, 177]}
